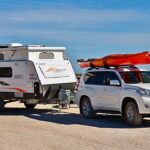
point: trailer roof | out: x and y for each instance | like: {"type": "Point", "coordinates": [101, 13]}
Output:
{"type": "Point", "coordinates": [39, 48]}
{"type": "Point", "coordinates": [18, 46]}
{"type": "Point", "coordinates": [13, 48]}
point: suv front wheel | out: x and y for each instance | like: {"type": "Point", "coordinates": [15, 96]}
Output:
{"type": "Point", "coordinates": [86, 108]}
{"type": "Point", "coordinates": [132, 115]}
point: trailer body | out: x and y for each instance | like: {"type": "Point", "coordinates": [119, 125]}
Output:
{"type": "Point", "coordinates": [34, 74]}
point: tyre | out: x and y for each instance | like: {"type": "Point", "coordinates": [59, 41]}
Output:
{"type": "Point", "coordinates": [29, 106]}
{"type": "Point", "coordinates": [86, 108]}
{"type": "Point", "coordinates": [2, 105]}
{"type": "Point", "coordinates": [132, 115]}
{"type": "Point", "coordinates": [63, 106]}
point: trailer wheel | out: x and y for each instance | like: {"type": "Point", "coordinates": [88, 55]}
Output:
{"type": "Point", "coordinates": [2, 105]}
{"type": "Point", "coordinates": [29, 106]}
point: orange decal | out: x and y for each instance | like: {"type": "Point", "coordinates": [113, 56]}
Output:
{"type": "Point", "coordinates": [50, 69]}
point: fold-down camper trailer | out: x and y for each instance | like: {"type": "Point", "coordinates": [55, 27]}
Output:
{"type": "Point", "coordinates": [33, 74]}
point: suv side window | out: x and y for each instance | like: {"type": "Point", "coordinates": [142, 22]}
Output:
{"type": "Point", "coordinates": [95, 78]}
{"type": "Point", "coordinates": [110, 76]}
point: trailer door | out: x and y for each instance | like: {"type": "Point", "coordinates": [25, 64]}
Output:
{"type": "Point", "coordinates": [55, 72]}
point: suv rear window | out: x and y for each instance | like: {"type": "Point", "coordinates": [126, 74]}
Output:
{"type": "Point", "coordinates": [95, 78]}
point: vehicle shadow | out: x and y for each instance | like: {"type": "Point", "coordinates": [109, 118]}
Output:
{"type": "Point", "coordinates": [62, 117]}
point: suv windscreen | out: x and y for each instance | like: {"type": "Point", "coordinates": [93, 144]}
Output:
{"type": "Point", "coordinates": [95, 78]}
{"type": "Point", "coordinates": [133, 77]}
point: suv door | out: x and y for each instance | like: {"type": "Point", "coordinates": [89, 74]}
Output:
{"type": "Point", "coordinates": [111, 93]}
{"type": "Point", "coordinates": [94, 87]}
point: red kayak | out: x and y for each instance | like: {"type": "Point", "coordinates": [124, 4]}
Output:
{"type": "Point", "coordinates": [117, 60]}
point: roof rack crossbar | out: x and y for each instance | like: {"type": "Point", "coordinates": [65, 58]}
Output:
{"type": "Point", "coordinates": [109, 67]}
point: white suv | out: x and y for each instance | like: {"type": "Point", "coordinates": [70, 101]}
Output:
{"type": "Point", "coordinates": [124, 89]}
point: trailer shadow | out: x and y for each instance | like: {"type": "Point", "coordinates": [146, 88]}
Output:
{"type": "Point", "coordinates": [62, 117]}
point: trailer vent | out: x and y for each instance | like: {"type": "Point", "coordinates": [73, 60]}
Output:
{"type": "Point", "coordinates": [46, 55]}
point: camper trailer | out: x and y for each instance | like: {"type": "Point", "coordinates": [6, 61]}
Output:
{"type": "Point", "coordinates": [34, 74]}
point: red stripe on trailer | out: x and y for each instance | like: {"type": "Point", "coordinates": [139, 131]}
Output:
{"type": "Point", "coordinates": [18, 89]}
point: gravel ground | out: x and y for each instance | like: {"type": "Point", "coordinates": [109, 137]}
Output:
{"type": "Point", "coordinates": [46, 128]}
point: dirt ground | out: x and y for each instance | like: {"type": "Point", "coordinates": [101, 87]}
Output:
{"type": "Point", "coordinates": [46, 128]}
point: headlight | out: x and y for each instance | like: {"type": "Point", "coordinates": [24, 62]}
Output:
{"type": "Point", "coordinates": [144, 92]}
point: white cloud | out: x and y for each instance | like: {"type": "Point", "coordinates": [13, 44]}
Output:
{"type": "Point", "coordinates": [71, 17]}
{"type": "Point", "coordinates": [23, 24]}
{"type": "Point", "coordinates": [80, 39]}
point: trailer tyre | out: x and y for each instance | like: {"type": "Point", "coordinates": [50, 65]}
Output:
{"type": "Point", "coordinates": [2, 105]}
{"type": "Point", "coordinates": [29, 106]}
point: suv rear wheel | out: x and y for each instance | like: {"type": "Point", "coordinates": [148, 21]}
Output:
{"type": "Point", "coordinates": [132, 115]}
{"type": "Point", "coordinates": [86, 108]}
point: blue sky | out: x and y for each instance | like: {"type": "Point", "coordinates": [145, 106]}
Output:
{"type": "Point", "coordinates": [88, 28]}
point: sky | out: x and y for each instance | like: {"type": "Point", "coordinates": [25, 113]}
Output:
{"type": "Point", "coordinates": [87, 28]}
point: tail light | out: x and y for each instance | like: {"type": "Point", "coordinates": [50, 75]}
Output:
{"type": "Point", "coordinates": [77, 84]}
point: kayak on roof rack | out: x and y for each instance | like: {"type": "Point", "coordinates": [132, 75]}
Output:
{"type": "Point", "coordinates": [115, 60]}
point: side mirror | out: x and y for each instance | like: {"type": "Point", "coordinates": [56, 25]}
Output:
{"type": "Point", "coordinates": [114, 83]}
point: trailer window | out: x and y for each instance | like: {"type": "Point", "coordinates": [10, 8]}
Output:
{"type": "Point", "coordinates": [1, 56]}
{"type": "Point", "coordinates": [46, 55]}
{"type": "Point", "coordinates": [5, 72]}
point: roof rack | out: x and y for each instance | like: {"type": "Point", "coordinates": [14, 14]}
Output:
{"type": "Point", "coordinates": [111, 67]}
{"type": "Point", "coordinates": [106, 67]}
{"type": "Point", "coordinates": [126, 66]}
